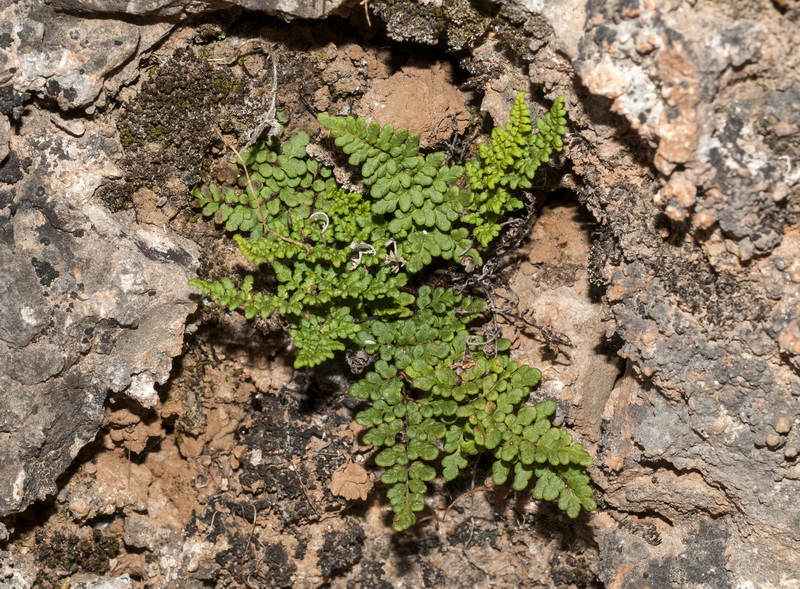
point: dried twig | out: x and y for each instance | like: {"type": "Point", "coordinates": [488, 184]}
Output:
{"type": "Point", "coordinates": [269, 119]}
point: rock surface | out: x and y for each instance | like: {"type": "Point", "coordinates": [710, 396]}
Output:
{"type": "Point", "coordinates": [66, 58]}
{"type": "Point", "coordinates": [694, 185]}
{"type": "Point", "coordinates": [88, 305]}
{"type": "Point", "coordinates": [580, 368]}
{"type": "Point", "coordinates": [287, 9]}
{"type": "Point", "coordinates": [684, 145]}
{"type": "Point", "coordinates": [5, 136]}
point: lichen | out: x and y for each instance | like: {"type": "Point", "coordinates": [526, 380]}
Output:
{"type": "Point", "coordinates": [456, 21]}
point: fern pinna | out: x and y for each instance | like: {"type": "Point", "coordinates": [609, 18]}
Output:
{"type": "Point", "coordinates": [436, 395]}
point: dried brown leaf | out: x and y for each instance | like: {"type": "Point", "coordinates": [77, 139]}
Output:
{"type": "Point", "coordinates": [350, 481]}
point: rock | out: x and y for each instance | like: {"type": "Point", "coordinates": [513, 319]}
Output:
{"type": "Point", "coordinates": [554, 292]}
{"type": "Point", "coordinates": [89, 306]}
{"type": "Point", "coordinates": [287, 9]}
{"type": "Point", "coordinates": [144, 532]}
{"type": "Point", "coordinates": [696, 105]}
{"type": "Point", "coordinates": [665, 90]}
{"type": "Point", "coordinates": [137, 7]}
{"type": "Point", "coordinates": [64, 57]}
{"type": "Point", "coordinates": [109, 489]}
{"type": "Point", "coordinates": [5, 136]}
{"type": "Point", "coordinates": [121, 582]}
{"type": "Point", "coordinates": [783, 425]}
{"type": "Point", "coordinates": [457, 21]}
{"type": "Point", "coordinates": [411, 22]}
{"type": "Point", "coordinates": [16, 571]}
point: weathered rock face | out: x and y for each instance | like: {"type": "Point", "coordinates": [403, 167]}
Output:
{"type": "Point", "coordinates": [685, 140]}
{"type": "Point", "coordinates": [64, 57]}
{"type": "Point", "coordinates": [287, 9]}
{"type": "Point", "coordinates": [88, 305]}
{"type": "Point", "coordinates": [696, 189]}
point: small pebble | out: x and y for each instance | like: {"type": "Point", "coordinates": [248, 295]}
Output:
{"type": "Point", "coordinates": [773, 440]}
{"type": "Point", "coordinates": [783, 425]}
{"type": "Point", "coordinates": [790, 452]}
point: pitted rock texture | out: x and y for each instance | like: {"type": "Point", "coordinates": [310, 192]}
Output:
{"type": "Point", "coordinates": [678, 77]}
{"type": "Point", "coordinates": [5, 136]}
{"type": "Point", "coordinates": [684, 139]}
{"type": "Point", "coordinates": [65, 58]}
{"type": "Point", "coordinates": [89, 306]}
{"type": "Point", "coordinates": [684, 145]}
{"type": "Point", "coordinates": [287, 9]}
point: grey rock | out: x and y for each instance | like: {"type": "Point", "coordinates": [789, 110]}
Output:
{"type": "Point", "coordinates": [142, 532]}
{"type": "Point", "coordinates": [16, 572]}
{"type": "Point", "coordinates": [5, 136]}
{"type": "Point", "coordinates": [290, 9]}
{"type": "Point", "coordinates": [411, 22]}
{"type": "Point", "coordinates": [62, 56]}
{"type": "Point", "coordinates": [696, 248]}
{"type": "Point", "coordinates": [137, 7]}
{"type": "Point", "coordinates": [287, 9]}
{"type": "Point", "coordinates": [687, 153]}
{"type": "Point", "coordinates": [88, 306]}
{"type": "Point", "coordinates": [120, 582]}
{"type": "Point", "coordinates": [664, 82]}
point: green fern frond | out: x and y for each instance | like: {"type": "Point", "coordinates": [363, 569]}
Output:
{"type": "Point", "coordinates": [343, 262]}
{"type": "Point", "coordinates": [509, 163]}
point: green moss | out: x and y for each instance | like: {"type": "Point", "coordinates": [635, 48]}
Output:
{"type": "Point", "coordinates": [157, 132]}
{"type": "Point", "coordinates": [168, 128]}
{"type": "Point", "coordinates": [69, 552]}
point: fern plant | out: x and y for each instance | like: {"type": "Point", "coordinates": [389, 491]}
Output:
{"type": "Point", "coordinates": [437, 394]}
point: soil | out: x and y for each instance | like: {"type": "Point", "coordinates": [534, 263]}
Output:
{"type": "Point", "coordinates": [250, 474]}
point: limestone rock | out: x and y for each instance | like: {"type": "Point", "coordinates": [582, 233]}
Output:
{"type": "Point", "coordinates": [89, 306]}
{"type": "Point", "coordinates": [686, 145]}
{"type": "Point", "coordinates": [5, 136]}
{"type": "Point", "coordinates": [287, 9]}
{"type": "Point", "coordinates": [64, 57]}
